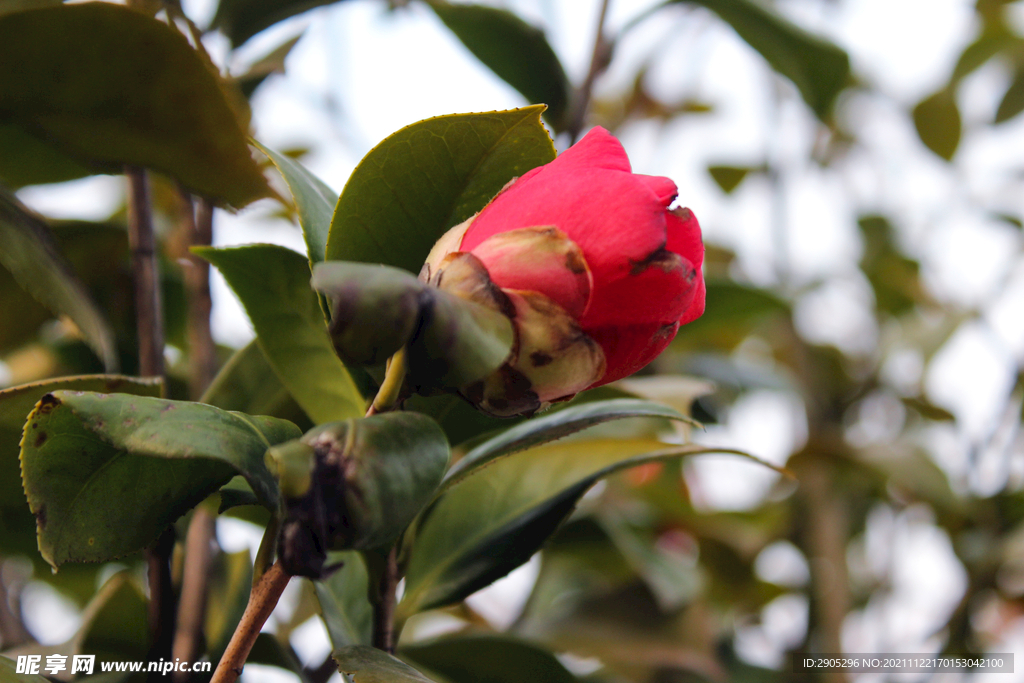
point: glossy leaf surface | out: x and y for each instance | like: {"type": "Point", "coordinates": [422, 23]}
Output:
{"type": "Point", "coordinates": [428, 177]}
{"type": "Point", "coordinates": [495, 659]}
{"type": "Point", "coordinates": [494, 520]}
{"type": "Point", "coordinates": [344, 605]}
{"type": "Point", "coordinates": [377, 310]}
{"type": "Point", "coordinates": [555, 426]}
{"type": "Point", "coordinates": [515, 51]}
{"type": "Point", "coordinates": [111, 86]}
{"type": "Point", "coordinates": [313, 200]}
{"type": "Point", "coordinates": [106, 473]}
{"type": "Point", "coordinates": [366, 664]}
{"type": "Point", "coordinates": [273, 284]}
{"type": "Point", "coordinates": [17, 526]}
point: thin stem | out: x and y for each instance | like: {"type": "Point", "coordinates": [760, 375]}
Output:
{"type": "Point", "coordinates": [391, 387]}
{"type": "Point", "coordinates": [201, 347]}
{"type": "Point", "coordinates": [148, 308]}
{"type": "Point", "coordinates": [384, 607]}
{"type": "Point", "coordinates": [162, 602]}
{"type": "Point", "coordinates": [194, 585]}
{"type": "Point", "coordinates": [262, 601]}
{"type": "Point", "coordinates": [150, 327]}
{"type": "Point", "coordinates": [599, 60]}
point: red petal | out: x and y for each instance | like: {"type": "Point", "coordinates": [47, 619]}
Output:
{"type": "Point", "coordinates": [629, 348]}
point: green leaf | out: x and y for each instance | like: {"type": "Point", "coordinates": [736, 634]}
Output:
{"type": "Point", "coordinates": [988, 45]}
{"type": "Point", "coordinates": [17, 526]}
{"type": "Point", "coordinates": [515, 51]}
{"type": "Point", "coordinates": [247, 383]}
{"type": "Point", "coordinates": [240, 20]}
{"type": "Point", "coordinates": [31, 255]}
{"type": "Point", "coordinates": [369, 665]}
{"type": "Point", "coordinates": [1013, 101]}
{"type": "Point", "coordinates": [7, 673]}
{"type": "Point", "coordinates": [893, 276]}
{"type": "Point", "coordinates": [490, 658]}
{"type": "Point", "coordinates": [729, 177]}
{"type": "Point", "coordinates": [344, 605]}
{"type": "Point", "coordinates": [27, 160]}
{"type": "Point", "coordinates": [937, 119]}
{"type": "Point", "coordinates": [555, 426]}
{"type": "Point", "coordinates": [271, 63]}
{"type": "Point", "coordinates": [494, 520]}
{"type": "Point", "coordinates": [313, 200]}
{"type": "Point", "coordinates": [12, 6]}
{"type": "Point", "coordinates": [355, 485]}
{"type": "Point", "coordinates": [106, 473]}
{"type": "Point", "coordinates": [273, 284]}
{"type": "Point", "coordinates": [429, 177]}
{"type": "Point", "coordinates": [111, 86]}
{"type": "Point", "coordinates": [818, 68]}
{"type": "Point", "coordinates": [228, 594]}
{"type": "Point", "coordinates": [377, 310]}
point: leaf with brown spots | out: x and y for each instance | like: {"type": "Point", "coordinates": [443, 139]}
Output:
{"type": "Point", "coordinates": [106, 473]}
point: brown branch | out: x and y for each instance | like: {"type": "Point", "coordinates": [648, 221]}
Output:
{"type": "Point", "coordinates": [599, 61]}
{"type": "Point", "coordinates": [262, 601]}
{"type": "Point", "coordinates": [150, 328]}
{"type": "Point", "coordinates": [384, 607]}
{"type": "Point", "coordinates": [148, 309]}
{"type": "Point", "coordinates": [162, 601]}
{"type": "Point", "coordinates": [201, 347]}
{"type": "Point", "coordinates": [188, 638]}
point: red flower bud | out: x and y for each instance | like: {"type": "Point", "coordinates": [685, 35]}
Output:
{"type": "Point", "coordinates": [607, 255]}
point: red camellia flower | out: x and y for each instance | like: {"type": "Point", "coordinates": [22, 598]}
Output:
{"type": "Point", "coordinates": [595, 269]}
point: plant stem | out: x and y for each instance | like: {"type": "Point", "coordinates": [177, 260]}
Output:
{"type": "Point", "coordinates": [150, 328]}
{"type": "Point", "coordinates": [162, 603]}
{"type": "Point", "coordinates": [12, 628]}
{"type": "Point", "coordinates": [148, 309]}
{"type": "Point", "coordinates": [599, 60]}
{"type": "Point", "coordinates": [194, 584]}
{"type": "Point", "coordinates": [391, 387]}
{"type": "Point", "coordinates": [262, 601]}
{"type": "Point", "coordinates": [384, 607]}
{"type": "Point", "coordinates": [202, 350]}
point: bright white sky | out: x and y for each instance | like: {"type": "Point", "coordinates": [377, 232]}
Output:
{"type": "Point", "coordinates": [361, 72]}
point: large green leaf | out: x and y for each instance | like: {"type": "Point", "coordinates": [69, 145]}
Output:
{"type": "Point", "coordinates": [242, 19]}
{"type": "Point", "coordinates": [247, 383]}
{"type": "Point", "coordinates": [937, 119]}
{"type": "Point", "coordinates": [490, 658]}
{"type": "Point", "coordinates": [111, 86]}
{"type": "Point", "coordinates": [106, 473]}
{"type": "Point", "coordinates": [494, 520]}
{"type": "Point", "coordinates": [7, 673]}
{"type": "Point", "coordinates": [17, 526]}
{"type": "Point", "coordinates": [369, 665]}
{"type": "Point", "coordinates": [273, 284]}
{"type": "Point", "coordinates": [355, 485]}
{"type": "Point", "coordinates": [344, 605]}
{"type": "Point", "coordinates": [377, 310]}
{"type": "Point", "coordinates": [818, 68]}
{"type": "Point", "coordinates": [429, 177]}
{"type": "Point", "coordinates": [555, 426]}
{"type": "Point", "coordinates": [31, 255]}
{"type": "Point", "coordinates": [313, 200]}
{"type": "Point", "coordinates": [514, 50]}
{"type": "Point", "coordinates": [27, 160]}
